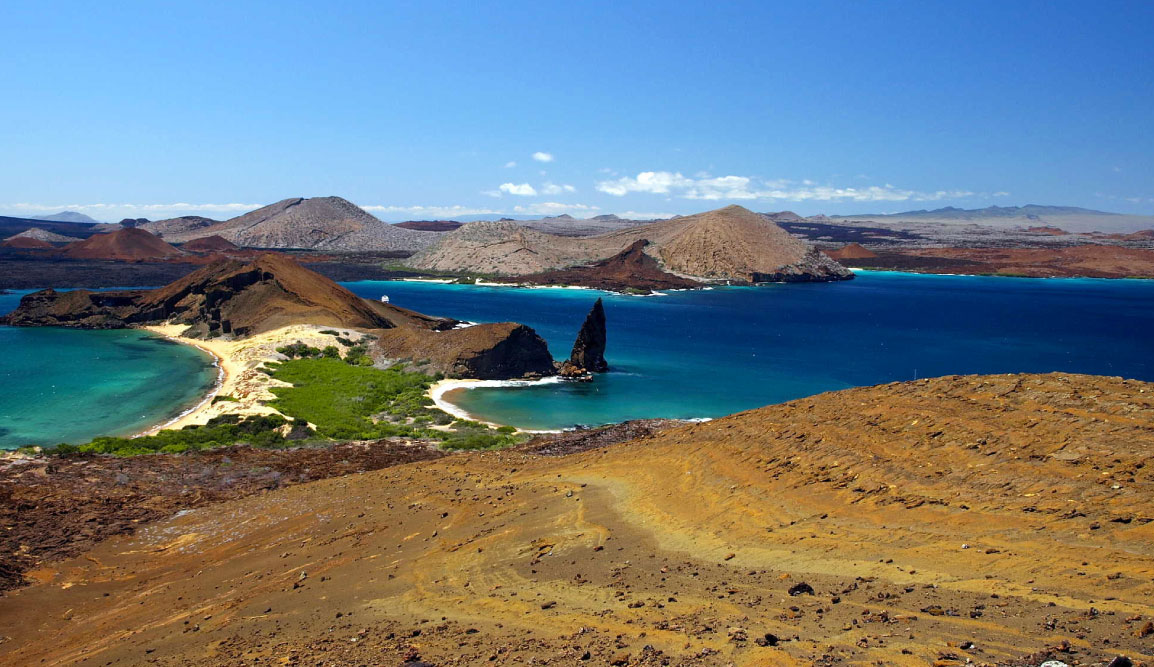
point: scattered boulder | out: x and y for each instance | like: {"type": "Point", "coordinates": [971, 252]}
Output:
{"type": "Point", "coordinates": [801, 588]}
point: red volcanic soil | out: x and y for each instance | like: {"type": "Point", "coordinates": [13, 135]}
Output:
{"type": "Point", "coordinates": [630, 269]}
{"type": "Point", "coordinates": [1144, 235]}
{"type": "Point", "coordinates": [129, 245]}
{"type": "Point", "coordinates": [1093, 261]}
{"type": "Point", "coordinates": [1051, 231]}
{"type": "Point", "coordinates": [851, 251]}
{"type": "Point", "coordinates": [430, 225]}
{"type": "Point", "coordinates": [26, 243]}
{"type": "Point", "coordinates": [212, 243]}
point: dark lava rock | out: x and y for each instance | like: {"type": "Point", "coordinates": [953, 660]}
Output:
{"type": "Point", "coordinates": [589, 348]}
{"type": "Point", "coordinates": [496, 351]}
{"type": "Point", "coordinates": [801, 589]}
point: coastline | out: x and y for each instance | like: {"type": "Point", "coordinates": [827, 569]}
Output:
{"type": "Point", "coordinates": [437, 392]}
{"type": "Point", "coordinates": [237, 362]}
{"type": "Point", "coordinates": [221, 376]}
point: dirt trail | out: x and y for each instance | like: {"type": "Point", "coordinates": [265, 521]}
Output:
{"type": "Point", "coordinates": [981, 518]}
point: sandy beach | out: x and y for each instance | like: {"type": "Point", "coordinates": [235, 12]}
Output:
{"type": "Point", "coordinates": [441, 390]}
{"type": "Point", "coordinates": [238, 361]}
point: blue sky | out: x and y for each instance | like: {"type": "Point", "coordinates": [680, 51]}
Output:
{"type": "Point", "coordinates": [430, 109]}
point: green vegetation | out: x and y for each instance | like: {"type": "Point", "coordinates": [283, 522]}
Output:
{"type": "Point", "coordinates": [459, 277]}
{"type": "Point", "coordinates": [258, 431]}
{"type": "Point", "coordinates": [344, 399]}
{"type": "Point", "coordinates": [348, 402]}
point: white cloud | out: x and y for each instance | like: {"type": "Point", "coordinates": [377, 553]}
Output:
{"type": "Point", "coordinates": [542, 156]}
{"type": "Point", "coordinates": [744, 187]}
{"type": "Point", "coordinates": [555, 189]}
{"type": "Point", "coordinates": [182, 206]}
{"type": "Point", "coordinates": [410, 212]}
{"type": "Point", "coordinates": [510, 164]}
{"type": "Point", "coordinates": [643, 215]}
{"type": "Point", "coordinates": [519, 189]}
{"type": "Point", "coordinates": [555, 208]}
{"type": "Point", "coordinates": [653, 182]}
{"type": "Point", "coordinates": [113, 212]}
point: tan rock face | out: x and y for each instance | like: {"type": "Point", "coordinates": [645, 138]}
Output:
{"type": "Point", "coordinates": [732, 243]}
{"type": "Point", "coordinates": [982, 517]}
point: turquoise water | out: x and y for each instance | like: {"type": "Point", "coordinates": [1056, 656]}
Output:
{"type": "Point", "coordinates": [686, 354]}
{"type": "Point", "coordinates": [711, 353]}
{"type": "Point", "coordinates": [66, 385]}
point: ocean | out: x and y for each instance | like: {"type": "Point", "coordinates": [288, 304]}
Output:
{"type": "Point", "coordinates": [704, 354]}
{"type": "Point", "coordinates": [698, 354]}
{"type": "Point", "coordinates": [67, 385]}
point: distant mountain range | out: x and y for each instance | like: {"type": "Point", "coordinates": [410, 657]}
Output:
{"type": "Point", "coordinates": [954, 213]}
{"type": "Point", "coordinates": [67, 216]}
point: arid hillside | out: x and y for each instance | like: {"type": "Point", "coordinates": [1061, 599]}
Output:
{"type": "Point", "coordinates": [123, 245]}
{"type": "Point", "coordinates": [319, 223]}
{"type": "Point", "coordinates": [731, 243]}
{"type": "Point", "coordinates": [985, 519]}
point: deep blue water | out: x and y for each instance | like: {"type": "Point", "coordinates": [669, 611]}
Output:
{"type": "Point", "coordinates": [711, 353]}
{"type": "Point", "coordinates": [687, 354]}
{"type": "Point", "coordinates": [65, 385]}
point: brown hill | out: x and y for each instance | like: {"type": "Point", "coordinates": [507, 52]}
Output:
{"type": "Point", "coordinates": [728, 244]}
{"type": "Point", "coordinates": [430, 225]}
{"type": "Point", "coordinates": [1048, 230]}
{"type": "Point", "coordinates": [127, 245]}
{"type": "Point", "coordinates": [1142, 235]}
{"type": "Point", "coordinates": [503, 248]}
{"type": "Point", "coordinates": [851, 251]}
{"type": "Point", "coordinates": [978, 519]}
{"type": "Point", "coordinates": [176, 228]}
{"type": "Point", "coordinates": [209, 244]}
{"type": "Point", "coordinates": [26, 243]}
{"type": "Point", "coordinates": [629, 270]}
{"type": "Point", "coordinates": [323, 223]}
{"type": "Point", "coordinates": [734, 243]}
{"type": "Point", "coordinates": [226, 297]}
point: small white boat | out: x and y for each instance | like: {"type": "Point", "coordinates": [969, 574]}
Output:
{"type": "Point", "coordinates": [384, 298]}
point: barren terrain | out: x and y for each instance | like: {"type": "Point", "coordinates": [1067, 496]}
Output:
{"type": "Point", "coordinates": [981, 518]}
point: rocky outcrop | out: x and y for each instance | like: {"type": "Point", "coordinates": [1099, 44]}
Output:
{"type": "Point", "coordinates": [499, 351]}
{"type": "Point", "coordinates": [227, 297]}
{"type": "Point", "coordinates": [126, 245]}
{"type": "Point", "coordinates": [814, 267]}
{"type": "Point", "coordinates": [588, 355]}
{"type": "Point", "coordinates": [209, 244]}
{"type": "Point", "coordinates": [630, 270]}
{"type": "Point", "coordinates": [79, 309]}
